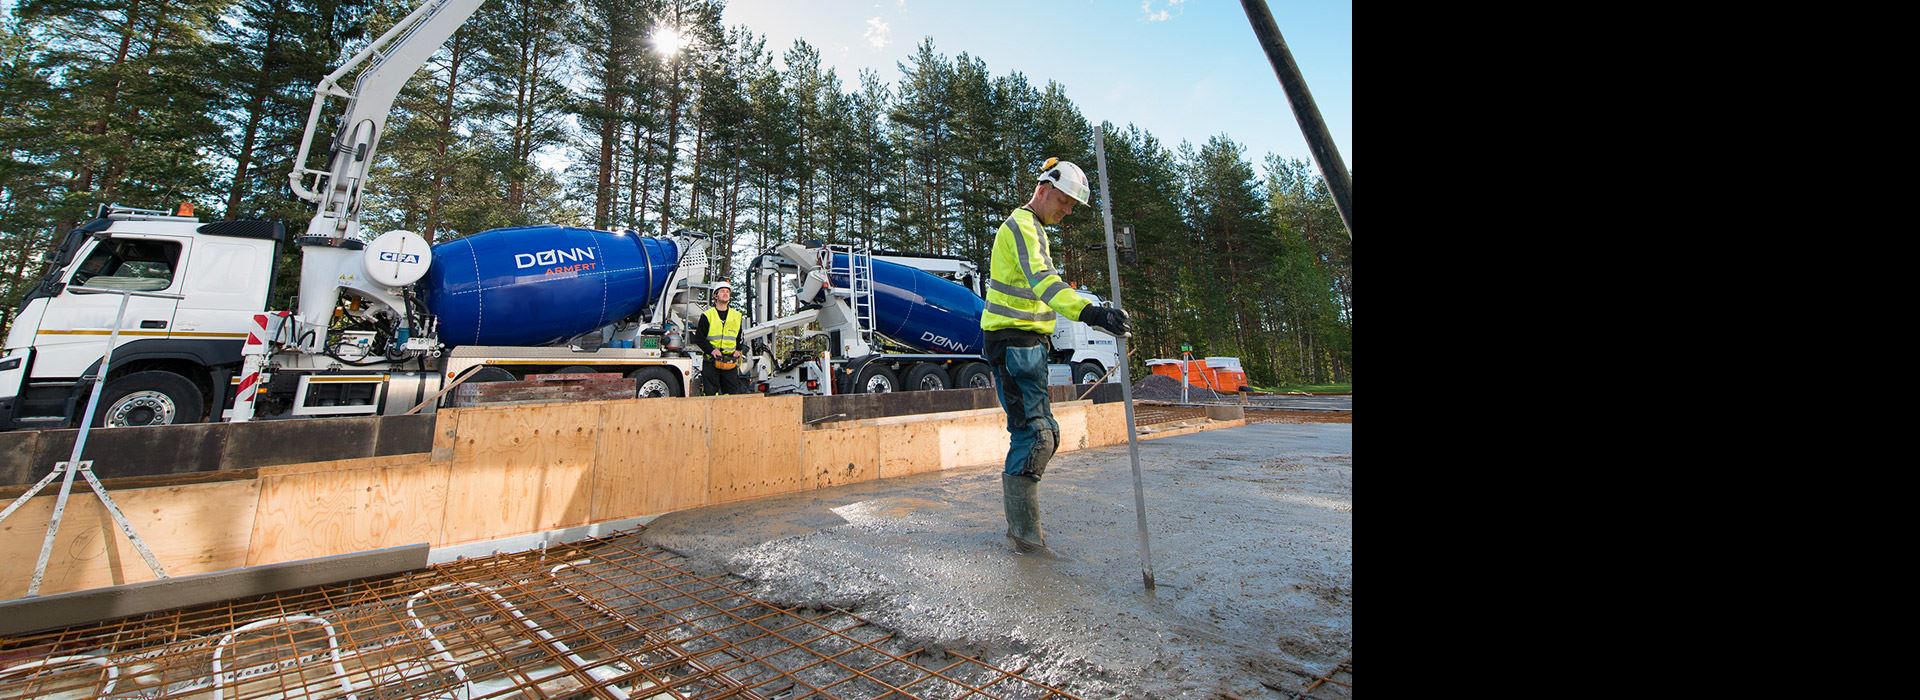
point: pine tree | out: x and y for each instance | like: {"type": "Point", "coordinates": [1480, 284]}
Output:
{"type": "Point", "coordinates": [523, 97]}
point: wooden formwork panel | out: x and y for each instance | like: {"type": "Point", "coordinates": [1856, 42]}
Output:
{"type": "Point", "coordinates": [1072, 417]}
{"type": "Point", "coordinates": [973, 440]}
{"type": "Point", "coordinates": [322, 513]}
{"type": "Point", "coordinates": [446, 433]}
{"type": "Point", "coordinates": [1106, 424]}
{"type": "Point", "coordinates": [1196, 428]}
{"type": "Point", "coordinates": [195, 528]}
{"type": "Point", "coordinates": [519, 470]}
{"type": "Point", "coordinates": [337, 465]}
{"type": "Point", "coordinates": [652, 458]}
{"type": "Point", "coordinates": [840, 456]}
{"type": "Point", "coordinates": [755, 447]}
{"type": "Point", "coordinates": [909, 448]}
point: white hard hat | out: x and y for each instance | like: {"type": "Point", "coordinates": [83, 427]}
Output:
{"type": "Point", "coordinates": [723, 284]}
{"type": "Point", "coordinates": [1067, 177]}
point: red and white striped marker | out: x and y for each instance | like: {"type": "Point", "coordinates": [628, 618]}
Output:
{"type": "Point", "coordinates": [255, 353]}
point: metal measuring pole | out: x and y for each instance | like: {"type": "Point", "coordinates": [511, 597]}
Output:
{"type": "Point", "coordinates": [1126, 383]}
{"type": "Point", "coordinates": [73, 464]}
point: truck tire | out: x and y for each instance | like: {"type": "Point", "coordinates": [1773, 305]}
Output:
{"type": "Point", "coordinates": [1088, 372]}
{"type": "Point", "coordinates": [491, 374]}
{"type": "Point", "coordinates": [973, 375]}
{"type": "Point", "coordinates": [656, 382]}
{"type": "Point", "coordinates": [875, 378]}
{"type": "Point", "coordinates": [153, 397]}
{"type": "Point", "coordinates": [926, 376]}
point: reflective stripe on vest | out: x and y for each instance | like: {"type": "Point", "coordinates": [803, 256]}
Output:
{"type": "Point", "coordinates": [723, 334]}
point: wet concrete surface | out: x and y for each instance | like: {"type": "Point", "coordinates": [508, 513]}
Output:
{"type": "Point", "coordinates": [1252, 535]}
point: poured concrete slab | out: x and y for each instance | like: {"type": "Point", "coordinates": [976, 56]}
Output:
{"type": "Point", "coordinates": [1252, 533]}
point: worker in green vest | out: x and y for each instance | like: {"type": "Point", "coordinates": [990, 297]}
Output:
{"type": "Point", "coordinates": [1025, 297]}
{"type": "Point", "coordinates": [718, 336]}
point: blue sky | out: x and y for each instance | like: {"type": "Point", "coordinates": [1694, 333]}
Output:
{"type": "Point", "coordinates": [1181, 69]}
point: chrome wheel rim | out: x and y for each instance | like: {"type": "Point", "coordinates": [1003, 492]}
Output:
{"type": "Point", "coordinates": [141, 408]}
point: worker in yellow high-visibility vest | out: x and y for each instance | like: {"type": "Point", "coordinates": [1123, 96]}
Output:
{"type": "Point", "coordinates": [1024, 298]}
{"type": "Point", "coordinates": [718, 336]}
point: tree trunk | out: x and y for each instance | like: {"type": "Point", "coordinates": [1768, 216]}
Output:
{"type": "Point", "coordinates": [672, 151]}
{"type": "Point", "coordinates": [441, 166]}
{"type": "Point", "coordinates": [693, 184]}
{"type": "Point", "coordinates": [256, 112]}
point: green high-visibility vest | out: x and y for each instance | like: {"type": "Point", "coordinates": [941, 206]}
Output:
{"type": "Point", "coordinates": [1022, 290]}
{"type": "Point", "coordinates": [723, 334]}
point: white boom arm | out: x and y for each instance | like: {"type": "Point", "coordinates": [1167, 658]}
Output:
{"type": "Point", "coordinates": [330, 255]}
{"type": "Point", "coordinates": [396, 55]}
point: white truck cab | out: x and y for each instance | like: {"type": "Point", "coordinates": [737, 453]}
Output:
{"type": "Point", "coordinates": [174, 357]}
{"type": "Point", "coordinates": [1088, 352]}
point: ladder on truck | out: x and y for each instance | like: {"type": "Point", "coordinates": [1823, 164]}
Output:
{"type": "Point", "coordinates": [858, 273]}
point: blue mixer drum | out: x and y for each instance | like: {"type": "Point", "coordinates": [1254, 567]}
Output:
{"type": "Point", "coordinates": [538, 285]}
{"type": "Point", "coordinates": [923, 311]}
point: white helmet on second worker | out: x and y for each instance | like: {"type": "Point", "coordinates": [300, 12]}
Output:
{"type": "Point", "coordinates": [722, 284]}
{"type": "Point", "coordinates": [1067, 177]}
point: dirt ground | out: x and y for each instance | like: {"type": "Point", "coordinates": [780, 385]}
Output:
{"type": "Point", "coordinates": [1252, 537]}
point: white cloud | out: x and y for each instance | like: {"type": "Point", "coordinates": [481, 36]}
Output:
{"type": "Point", "coordinates": [1146, 8]}
{"type": "Point", "coordinates": [878, 33]}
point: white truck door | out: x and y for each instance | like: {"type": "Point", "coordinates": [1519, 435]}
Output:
{"type": "Point", "coordinates": [226, 285]}
{"type": "Point", "coordinates": [73, 332]}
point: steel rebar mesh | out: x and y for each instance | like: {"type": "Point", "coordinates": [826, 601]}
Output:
{"type": "Point", "coordinates": [604, 617]}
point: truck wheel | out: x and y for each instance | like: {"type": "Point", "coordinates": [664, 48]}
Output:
{"type": "Point", "coordinates": [926, 376]}
{"type": "Point", "coordinates": [874, 378]}
{"type": "Point", "coordinates": [973, 375]}
{"type": "Point", "coordinates": [491, 374]}
{"type": "Point", "coordinates": [1087, 372]}
{"type": "Point", "coordinates": [153, 397]}
{"type": "Point", "coordinates": [656, 382]}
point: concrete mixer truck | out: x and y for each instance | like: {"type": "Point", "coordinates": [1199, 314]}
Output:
{"type": "Point", "coordinates": [405, 320]}
{"type": "Point", "coordinates": [882, 321]}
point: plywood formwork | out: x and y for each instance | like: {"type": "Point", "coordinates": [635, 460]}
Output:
{"type": "Point", "coordinates": [191, 529]}
{"type": "Point", "coordinates": [505, 471]}
{"type": "Point", "coordinates": [652, 458]}
{"type": "Point", "coordinates": [1106, 424]}
{"type": "Point", "coordinates": [754, 448]}
{"type": "Point", "coordinates": [973, 438]}
{"type": "Point", "coordinates": [843, 455]}
{"type": "Point", "coordinates": [1196, 427]}
{"type": "Point", "coordinates": [322, 513]}
{"type": "Point", "coordinates": [521, 469]}
{"type": "Point", "coordinates": [1072, 417]}
{"type": "Point", "coordinates": [340, 465]}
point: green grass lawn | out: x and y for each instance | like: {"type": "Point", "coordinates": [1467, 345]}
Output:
{"type": "Point", "coordinates": [1311, 388]}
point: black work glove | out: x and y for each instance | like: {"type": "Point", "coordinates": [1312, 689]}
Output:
{"type": "Point", "coordinates": [1105, 318]}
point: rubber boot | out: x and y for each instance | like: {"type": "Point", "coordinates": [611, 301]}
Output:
{"type": "Point", "coordinates": [1021, 495]}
